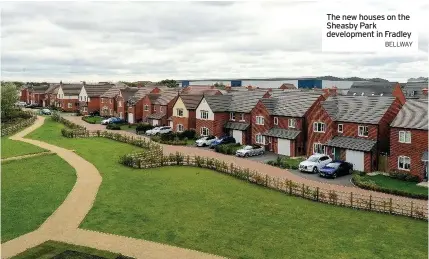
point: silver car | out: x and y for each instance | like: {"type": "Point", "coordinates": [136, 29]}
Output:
{"type": "Point", "coordinates": [253, 150]}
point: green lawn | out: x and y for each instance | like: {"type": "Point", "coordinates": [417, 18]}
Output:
{"type": "Point", "coordinates": [10, 148]}
{"type": "Point", "coordinates": [211, 212]}
{"type": "Point", "coordinates": [395, 184]}
{"type": "Point", "coordinates": [128, 127]}
{"type": "Point", "coordinates": [31, 190]}
{"type": "Point", "coordinates": [50, 249]}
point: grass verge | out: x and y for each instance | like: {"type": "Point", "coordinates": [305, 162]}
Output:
{"type": "Point", "coordinates": [32, 189]}
{"type": "Point", "coordinates": [11, 148]}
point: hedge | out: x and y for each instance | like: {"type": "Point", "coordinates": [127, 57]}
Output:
{"type": "Point", "coordinates": [228, 149]}
{"type": "Point", "coordinates": [358, 180]}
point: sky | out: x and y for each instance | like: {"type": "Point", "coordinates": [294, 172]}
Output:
{"type": "Point", "coordinates": [130, 41]}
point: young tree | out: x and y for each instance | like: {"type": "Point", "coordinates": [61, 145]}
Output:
{"type": "Point", "coordinates": [9, 96]}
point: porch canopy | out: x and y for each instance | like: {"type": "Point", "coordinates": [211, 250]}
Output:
{"type": "Point", "coordinates": [156, 116]}
{"type": "Point", "coordinates": [236, 125]}
{"type": "Point", "coordinates": [351, 143]}
{"type": "Point", "coordinates": [282, 133]}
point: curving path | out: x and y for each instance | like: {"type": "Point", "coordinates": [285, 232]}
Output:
{"type": "Point", "coordinates": [263, 168]}
{"type": "Point", "coordinates": [63, 224]}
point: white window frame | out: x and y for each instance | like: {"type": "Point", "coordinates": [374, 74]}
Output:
{"type": "Point", "coordinates": [154, 108]}
{"type": "Point", "coordinates": [231, 116]}
{"type": "Point", "coordinates": [276, 121]}
{"type": "Point", "coordinates": [203, 129]}
{"type": "Point", "coordinates": [403, 160]}
{"type": "Point", "coordinates": [102, 100]}
{"type": "Point", "coordinates": [178, 114]}
{"type": "Point", "coordinates": [242, 117]}
{"type": "Point", "coordinates": [316, 146]}
{"type": "Point", "coordinates": [180, 128]}
{"type": "Point", "coordinates": [69, 105]}
{"type": "Point", "coordinates": [291, 123]}
{"type": "Point", "coordinates": [146, 107]}
{"type": "Point", "coordinates": [120, 104]}
{"type": "Point", "coordinates": [405, 137]}
{"type": "Point", "coordinates": [260, 139]}
{"type": "Point", "coordinates": [85, 109]}
{"type": "Point", "coordinates": [204, 115]}
{"type": "Point", "coordinates": [110, 100]}
{"type": "Point", "coordinates": [260, 120]}
{"type": "Point", "coordinates": [316, 127]}
{"type": "Point", "coordinates": [361, 131]}
{"type": "Point", "coordinates": [342, 128]}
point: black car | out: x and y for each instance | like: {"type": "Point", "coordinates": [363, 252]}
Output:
{"type": "Point", "coordinates": [336, 168]}
{"type": "Point", "coordinates": [94, 113]}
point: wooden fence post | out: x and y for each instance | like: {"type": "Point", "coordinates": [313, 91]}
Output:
{"type": "Point", "coordinates": [266, 180]}
{"type": "Point", "coordinates": [390, 206]}
{"type": "Point", "coordinates": [302, 195]}
{"type": "Point", "coordinates": [351, 199]}
{"type": "Point", "coordinates": [317, 194]}
{"type": "Point", "coordinates": [290, 187]}
{"type": "Point", "coordinates": [411, 208]}
{"type": "Point", "coordinates": [370, 202]}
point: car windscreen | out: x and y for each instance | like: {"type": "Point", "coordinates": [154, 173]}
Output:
{"type": "Point", "coordinates": [333, 165]}
{"type": "Point", "coordinates": [313, 158]}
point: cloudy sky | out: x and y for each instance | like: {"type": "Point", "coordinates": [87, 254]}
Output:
{"type": "Point", "coordinates": [109, 41]}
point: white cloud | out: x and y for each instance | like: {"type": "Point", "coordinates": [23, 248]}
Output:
{"type": "Point", "coordinates": [92, 41]}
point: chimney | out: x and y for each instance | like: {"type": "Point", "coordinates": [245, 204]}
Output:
{"type": "Point", "coordinates": [425, 91]}
{"type": "Point", "coordinates": [61, 83]}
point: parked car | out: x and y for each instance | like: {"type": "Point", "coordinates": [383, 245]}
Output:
{"type": "Point", "coordinates": [45, 112]}
{"type": "Point", "coordinates": [254, 150]}
{"type": "Point", "coordinates": [20, 104]}
{"type": "Point", "coordinates": [222, 140]}
{"type": "Point", "coordinates": [116, 120]}
{"type": "Point", "coordinates": [106, 121]}
{"type": "Point", "coordinates": [336, 168]}
{"type": "Point", "coordinates": [153, 131]}
{"type": "Point", "coordinates": [205, 141]}
{"type": "Point", "coordinates": [31, 105]}
{"type": "Point", "coordinates": [314, 163]}
{"type": "Point", "coordinates": [164, 130]}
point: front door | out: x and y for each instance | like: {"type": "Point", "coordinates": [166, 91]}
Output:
{"type": "Point", "coordinates": [238, 135]}
{"type": "Point", "coordinates": [337, 153]}
{"type": "Point", "coordinates": [130, 118]}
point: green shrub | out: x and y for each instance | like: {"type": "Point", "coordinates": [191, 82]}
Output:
{"type": "Point", "coordinates": [86, 118]}
{"type": "Point", "coordinates": [113, 127]}
{"type": "Point", "coordinates": [404, 176]}
{"type": "Point", "coordinates": [189, 134]}
{"type": "Point", "coordinates": [143, 127]}
{"type": "Point", "coordinates": [228, 149]}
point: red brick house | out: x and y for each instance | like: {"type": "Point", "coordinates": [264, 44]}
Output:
{"type": "Point", "coordinates": [285, 120]}
{"type": "Point", "coordinates": [184, 112]}
{"type": "Point", "coordinates": [352, 128]}
{"type": "Point", "coordinates": [228, 114]}
{"type": "Point", "coordinates": [112, 103]}
{"type": "Point", "coordinates": [40, 95]}
{"type": "Point", "coordinates": [90, 97]}
{"type": "Point", "coordinates": [409, 140]}
{"type": "Point", "coordinates": [68, 97]}
{"type": "Point", "coordinates": [162, 108]}
{"type": "Point", "coordinates": [134, 98]}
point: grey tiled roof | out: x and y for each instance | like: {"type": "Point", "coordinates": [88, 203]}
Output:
{"type": "Point", "coordinates": [425, 156]}
{"type": "Point", "coordinates": [52, 89]}
{"type": "Point", "coordinates": [293, 104]}
{"type": "Point", "coordinates": [236, 125]}
{"type": "Point", "coordinates": [359, 109]}
{"type": "Point", "coordinates": [369, 88]}
{"type": "Point", "coordinates": [97, 90]}
{"type": "Point", "coordinates": [413, 115]}
{"type": "Point", "coordinates": [111, 93]}
{"type": "Point", "coordinates": [166, 97]}
{"type": "Point", "coordinates": [245, 101]}
{"type": "Point", "coordinates": [191, 101]}
{"type": "Point", "coordinates": [71, 89]}
{"type": "Point", "coordinates": [156, 116]}
{"type": "Point", "coordinates": [39, 89]}
{"type": "Point", "coordinates": [218, 103]}
{"type": "Point", "coordinates": [282, 133]}
{"type": "Point", "coordinates": [352, 143]}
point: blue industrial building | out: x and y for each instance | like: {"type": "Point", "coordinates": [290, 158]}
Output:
{"type": "Point", "coordinates": [235, 83]}
{"type": "Point", "coordinates": [309, 83]}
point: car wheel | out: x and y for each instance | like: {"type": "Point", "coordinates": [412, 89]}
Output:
{"type": "Point", "coordinates": [334, 175]}
{"type": "Point", "coordinates": [350, 171]}
{"type": "Point", "coordinates": [246, 155]}
{"type": "Point", "coordinates": [315, 170]}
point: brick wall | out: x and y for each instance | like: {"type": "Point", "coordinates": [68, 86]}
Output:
{"type": "Point", "coordinates": [351, 130]}
{"type": "Point", "coordinates": [107, 106]}
{"type": "Point", "coordinates": [94, 104]}
{"type": "Point", "coordinates": [65, 104]}
{"type": "Point", "coordinates": [180, 120]}
{"type": "Point", "coordinates": [259, 110]}
{"type": "Point", "coordinates": [146, 101]}
{"type": "Point", "coordinates": [414, 150]}
{"type": "Point", "coordinates": [384, 125]}
{"type": "Point", "coordinates": [192, 120]}
{"type": "Point", "coordinates": [25, 96]}
{"type": "Point", "coordinates": [120, 108]}
{"type": "Point", "coordinates": [207, 124]}
{"type": "Point", "coordinates": [318, 115]}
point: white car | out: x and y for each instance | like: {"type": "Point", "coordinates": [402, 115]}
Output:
{"type": "Point", "coordinates": [254, 150]}
{"type": "Point", "coordinates": [153, 131]}
{"type": "Point", "coordinates": [164, 130]}
{"type": "Point", "coordinates": [205, 141]}
{"type": "Point", "coordinates": [106, 121]}
{"type": "Point", "coordinates": [314, 163]}
{"type": "Point", "coordinates": [20, 104]}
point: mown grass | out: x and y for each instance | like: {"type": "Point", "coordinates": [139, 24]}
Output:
{"type": "Point", "coordinates": [11, 148]}
{"type": "Point", "coordinates": [50, 249]}
{"type": "Point", "coordinates": [31, 190]}
{"type": "Point", "coordinates": [93, 119]}
{"type": "Point", "coordinates": [395, 184]}
{"type": "Point", "coordinates": [211, 212]}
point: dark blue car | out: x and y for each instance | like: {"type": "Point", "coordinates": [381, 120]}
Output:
{"type": "Point", "coordinates": [115, 120]}
{"type": "Point", "coordinates": [222, 140]}
{"type": "Point", "coordinates": [336, 168]}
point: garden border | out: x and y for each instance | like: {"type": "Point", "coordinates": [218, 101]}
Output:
{"type": "Point", "coordinates": [20, 125]}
